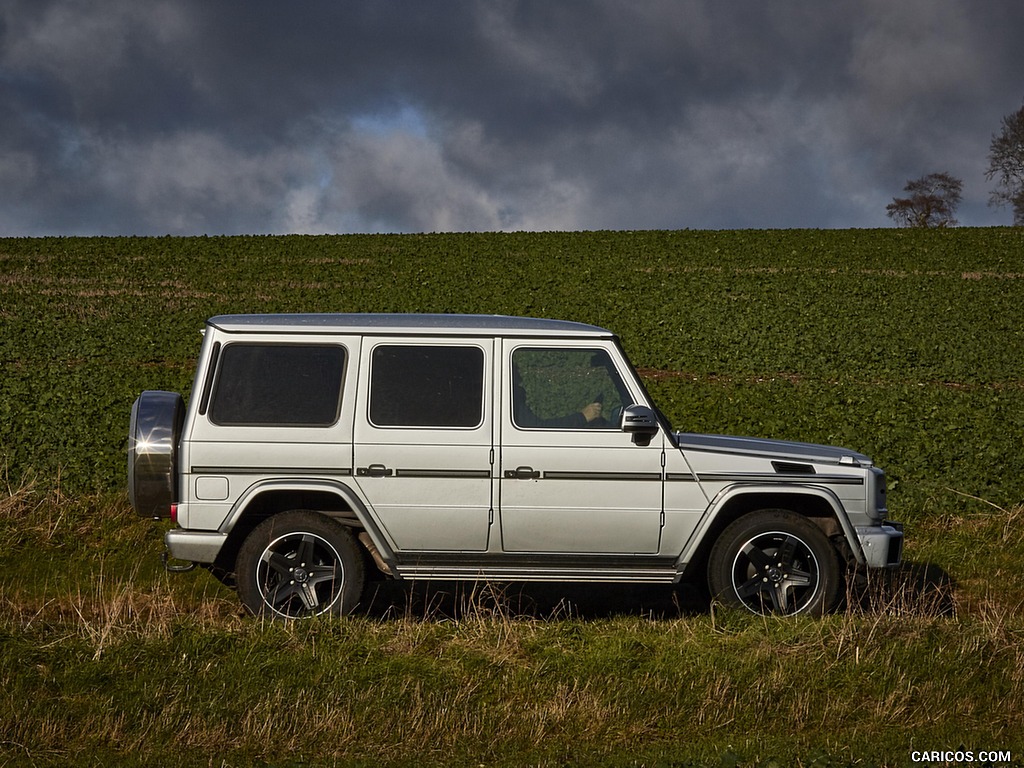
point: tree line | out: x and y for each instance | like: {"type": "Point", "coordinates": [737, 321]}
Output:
{"type": "Point", "coordinates": [932, 200]}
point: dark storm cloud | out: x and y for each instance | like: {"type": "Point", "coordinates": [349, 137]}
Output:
{"type": "Point", "coordinates": [185, 116]}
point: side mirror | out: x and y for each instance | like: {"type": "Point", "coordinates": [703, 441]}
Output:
{"type": "Point", "coordinates": [640, 422]}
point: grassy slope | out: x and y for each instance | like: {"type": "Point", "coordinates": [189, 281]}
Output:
{"type": "Point", "coordinates": [904, 345]}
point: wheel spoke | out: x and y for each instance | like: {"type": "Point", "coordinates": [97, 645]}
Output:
{"type": "Point", "coordinates": [306, 551]}
{"type": "Point", "coordinates": [280, 595]}
{"type": "Point", "coordinates": [310, 599]}
{"type": "Point", "coordinates": [751, 588]}
{"type": "Point", "coordinates": [758, 557]}
{"type": "Point", "coordinates": [321, 573]}
{"type": "Point", "coordinates": [280, 564]}
{"type": "Point", "coordinates": [787, 551]}
{"type": "Point", "coordinates": [799, 578]}
{"type": "Point", "coordinates": [780, 597]}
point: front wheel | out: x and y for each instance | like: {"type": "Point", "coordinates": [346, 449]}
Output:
{"type": "Point", "coordinates": [775, 562]}
{"type": "Point", "coordinates": [299, 564]}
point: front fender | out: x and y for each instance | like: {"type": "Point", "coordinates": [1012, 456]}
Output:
{"type": "Point", "coordinates": [722, 511]}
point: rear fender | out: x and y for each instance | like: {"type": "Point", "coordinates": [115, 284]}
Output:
{"type": "Point", "coordinates": [242, 515]}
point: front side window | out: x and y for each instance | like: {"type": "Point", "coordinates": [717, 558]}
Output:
{"type": "Point", "coordinates": [565, 389]}
{"type": "Point", "coordinates": [278, 385]}
{"type": "Point", "coordinates": [426, 386]}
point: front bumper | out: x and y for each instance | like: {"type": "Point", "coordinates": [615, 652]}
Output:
{"type": "Point", "coordinates": [882, 544]}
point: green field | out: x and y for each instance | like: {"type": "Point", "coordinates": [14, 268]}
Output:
{"type": "Point", "coordinates": [905, 345]}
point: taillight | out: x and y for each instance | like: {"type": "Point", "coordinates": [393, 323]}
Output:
{"type": "Point", "coordinates": [174, 513]}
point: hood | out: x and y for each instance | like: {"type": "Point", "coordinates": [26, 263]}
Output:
{"type": "Point", "coordinates": [772, 449]}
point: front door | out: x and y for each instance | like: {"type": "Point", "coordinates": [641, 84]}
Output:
{"type": "Point", "coordinates": [570, 480]}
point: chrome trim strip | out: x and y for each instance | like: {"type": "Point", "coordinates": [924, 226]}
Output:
{"type": "Point", "coordinates": [373, 324]}
{"type": "Point", "coordinates": [474, 473]}
{"type": "Point", "coordinates": [326, 471]}
{"type": "Point", "coordinates": [558, 475]}
{"type": "Point", "coordinates": [534, 561]}
{"type": "Point", "coordinates": [511, 573]}
{"type": "Point", "coordinates": [777, 479]}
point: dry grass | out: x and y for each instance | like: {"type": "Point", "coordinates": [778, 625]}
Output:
{"type": "Point", "coordinates": [120, 661]}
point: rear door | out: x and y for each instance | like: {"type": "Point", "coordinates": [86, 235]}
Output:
{"type": "Point", "coordinates": [423, 440]}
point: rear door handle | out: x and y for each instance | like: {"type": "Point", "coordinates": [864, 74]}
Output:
{"type": "Point", "coordinates": [522, 473]}
{"type": "Point", "coordinates": [374, 470]}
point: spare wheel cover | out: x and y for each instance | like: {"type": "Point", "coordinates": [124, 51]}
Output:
{"type": "Point", "coordinates": [153, 435]}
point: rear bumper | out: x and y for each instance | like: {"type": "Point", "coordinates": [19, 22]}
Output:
{"type": "Point", "coordinates": [882, 544]}
{"type": "Point", "coordinates": [194, 546]}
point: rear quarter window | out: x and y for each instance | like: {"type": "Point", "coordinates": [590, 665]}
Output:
{"type": "Point", "coordinates": [278, 385]}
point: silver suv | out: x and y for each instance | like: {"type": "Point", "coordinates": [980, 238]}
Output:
{"type": "Point", "coordinates": [318, 450]}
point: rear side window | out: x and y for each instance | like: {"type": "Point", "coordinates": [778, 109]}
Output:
{"type": "Point", "coordinates": [426, 386]}
{"type": "Point", "coordinates": [278, 385]}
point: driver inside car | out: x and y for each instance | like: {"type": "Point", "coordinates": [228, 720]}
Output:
{"type": "Point", "coordinates": [588, 415]}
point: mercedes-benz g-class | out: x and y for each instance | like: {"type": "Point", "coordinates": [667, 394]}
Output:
{"type": "Point", "coordinates": [318, 449]}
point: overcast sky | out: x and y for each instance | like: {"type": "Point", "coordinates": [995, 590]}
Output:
{"type": "Point", "coordinates": [180, 117]}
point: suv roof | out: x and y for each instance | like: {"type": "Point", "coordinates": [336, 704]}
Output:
{"type": "Point", "coordinates": [403, 323]}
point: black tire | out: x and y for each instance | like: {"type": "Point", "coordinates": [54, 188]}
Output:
{"type": "Point", "coordinates": [153, 435]}
{"type": "Point", "coordinates": [775, 562]}
{"type": "Point", "coordinates": [299, 564]}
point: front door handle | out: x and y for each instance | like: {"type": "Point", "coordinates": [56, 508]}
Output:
{"type": "Point", "coordinates": [522, 473]}
{"type": "Point", "coordinates": [374, 470]}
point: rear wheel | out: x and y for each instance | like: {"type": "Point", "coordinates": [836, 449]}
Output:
{"type": "Point", "coordinates": [299, 564]}
{"type": "Point", "coordinates": [775, 562]}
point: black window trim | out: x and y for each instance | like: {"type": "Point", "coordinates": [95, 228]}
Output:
{"type": "Point", "coordinates": [398, 340]}
{"type": "Point", "coordinates": [217, 365]}
{"type": "Point", "coordinates": [557, 345]}
{"type": "Point", "coordinates": [204, 401]}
